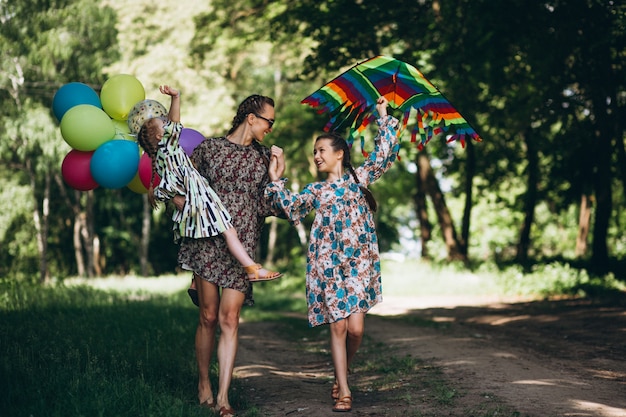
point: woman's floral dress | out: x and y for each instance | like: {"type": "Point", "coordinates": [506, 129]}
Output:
{"type": "Point", "coordinates": [343, 264]}
{"type": "Point", "coordinates": [203, 215]}
{"type": "Point", "coordinates": [238, 174]}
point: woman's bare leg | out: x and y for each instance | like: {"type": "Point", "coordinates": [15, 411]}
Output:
{"type": "Point", "coordinates": [229, 312]}
{"type": "Point", "coordinates": [209, 300]}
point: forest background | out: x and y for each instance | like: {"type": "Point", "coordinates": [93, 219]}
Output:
{"type": "Point", "coordinates": [544, 84]}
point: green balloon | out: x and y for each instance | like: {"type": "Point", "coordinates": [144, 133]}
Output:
{"type": "Point", "coordinates": [86, 127]}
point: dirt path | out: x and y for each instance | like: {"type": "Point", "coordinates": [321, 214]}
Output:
{"type": "Point", "coordinates": [541, 359]}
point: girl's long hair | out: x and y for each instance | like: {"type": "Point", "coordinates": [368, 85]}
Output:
{"type": "Point", "coordinates": [149, 130]}
{"type": "Point", "coordinates": [339, 143]}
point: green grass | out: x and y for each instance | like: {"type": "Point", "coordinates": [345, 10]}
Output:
{"type": "Point", "coordinates": [416, 278]}
{"type": "Point", "coordinates": [413, 278]}
{"type": "Point", "coordinates": [124, 347]}
{"type": "Point", "coordinates": [85, 352]}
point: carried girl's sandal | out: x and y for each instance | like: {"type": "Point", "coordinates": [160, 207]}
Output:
{"type": "Point", "coordinates": [255, 268]}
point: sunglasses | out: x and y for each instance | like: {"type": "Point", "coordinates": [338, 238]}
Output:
{"type": "Point", "coordinates": [269, 121]}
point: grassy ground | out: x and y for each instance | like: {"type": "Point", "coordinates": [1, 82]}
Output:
{"type": "Point", "coordinates": [124, 347]}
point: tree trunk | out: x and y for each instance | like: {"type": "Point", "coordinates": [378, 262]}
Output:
{"type": "Point", "coordinates": [584, 223]}
{"type": "Point", "coordinates": [470, 173]}
{"type": "Point", "coordinates": [603, 193]}
{"type": "Point", "coordinates": [302, 235]}
{"type": "Point", "coordinates": [89, 237]}
{"type": "Point", "coordinates": [83, 230]}
{"type": "Point", "coordinates": [443, 214]}
{"type": "Point", "coordinates": [40, 220]}
{"type": "Point", "coordinates": [530, 199]}
{"type": "Point", "coordinates": [602, 84]}
{"type": "Point", "coordinates": [619, 147]}
{"type": "Point", "coordinates": [145, 236]}
{"type": "Point", "coordinates": [271, 241]}
{"type": "Point", "coordinates": [78, 247]}
{"type": "Point", "coordinates": [421, 210]}
{"type": "Point", "coordinates": [602, 179]}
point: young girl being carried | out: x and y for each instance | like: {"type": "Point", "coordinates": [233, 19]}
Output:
{"type": "Point", "coordinates": [203, 215]}
{"type": "Point", "coordinates": [343, 265]}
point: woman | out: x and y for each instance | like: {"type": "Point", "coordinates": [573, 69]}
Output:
{"type": "Point", "coordinates": [236, 167]}
{"type": "Point", "coordinates": [204, 214]}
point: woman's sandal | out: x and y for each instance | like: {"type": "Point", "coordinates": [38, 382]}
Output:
{"type": "Point", "coordinates": [207, 404]}
{"type": "Point", "coordinates": [334, 392]}
{"type": "Point", "coordinates": [343, 405]}
{"type": "Point", "coordinates": [193, 294]}
{"type": "Point", "coordinates": [255, 268]}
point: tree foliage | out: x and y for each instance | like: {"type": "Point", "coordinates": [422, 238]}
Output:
{"type": "Point", "coordinates": [543, 83]}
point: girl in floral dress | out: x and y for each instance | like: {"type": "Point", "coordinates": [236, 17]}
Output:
{"type": "Point", "coordinates": [203, 214]}
{"type": "Point", "coordinates": [343, 265]}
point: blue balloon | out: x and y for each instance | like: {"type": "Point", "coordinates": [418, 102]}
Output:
{"type": "Point", "coordinates": [114, 164]}
{"type": "Point", "coordinates": [73, 94]}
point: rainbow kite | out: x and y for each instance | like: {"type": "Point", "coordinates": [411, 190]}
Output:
{"type": "Point", "coordinates": [350, 100]}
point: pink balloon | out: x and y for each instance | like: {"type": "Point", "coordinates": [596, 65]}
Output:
{"type": "Point", "coordinates": [189, 139]}
{"type": "Point", "coordinates": [145, 171]}
{"type": "Point", "coordinates": [76, 171]}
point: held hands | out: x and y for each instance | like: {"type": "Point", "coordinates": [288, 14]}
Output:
{"type": "Point", "coordinates": [381, 106]}
{"type": "Point", "coordinates": [170, 91]}
{"type": "Point", "coordinates": [277, 163]}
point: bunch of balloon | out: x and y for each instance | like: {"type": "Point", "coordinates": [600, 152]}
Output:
{"type": "Point", "coordinates": [104, 152]}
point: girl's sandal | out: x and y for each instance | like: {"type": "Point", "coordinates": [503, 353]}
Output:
{"type": "Point", "coordinates": [343, 405]}
{"type": "Point", "coordinates": [227, 412]}
{"type": "Point", "coordinates": [255, 268]}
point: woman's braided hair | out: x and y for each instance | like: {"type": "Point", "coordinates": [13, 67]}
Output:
{"type": "Point", "coordinates": [150, 146]}
{"type": "Point", "coordinates": [253, 104]}
{"type": "Point", "coordinates": [339, 143]}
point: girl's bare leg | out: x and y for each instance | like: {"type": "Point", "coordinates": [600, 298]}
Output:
{"type": "Point", "coordinates": [345, 337]}
{"type": "Point", "coordinates": [356, 324]}
{"type": "Point", "coordinates": [338, 336]}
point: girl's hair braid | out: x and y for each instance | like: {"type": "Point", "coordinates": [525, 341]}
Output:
{"type": "Point", "coordinates": [149, 130]}
{"type": "Point", "coordinates": [339, 143]}
{"type": "Point", "coordinates": [253, 104]}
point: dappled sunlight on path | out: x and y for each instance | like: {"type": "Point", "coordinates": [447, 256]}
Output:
{"type": "Point", "coordinates": [562, 358]}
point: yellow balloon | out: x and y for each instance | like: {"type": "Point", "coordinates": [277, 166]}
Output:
{"type": "Point", "coordinates": [119, 94]}
{"type": "Point", "coordinates": [137, 186]}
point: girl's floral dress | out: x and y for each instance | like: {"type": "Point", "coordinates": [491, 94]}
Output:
{"type": "Point", "coordinates": [343, 264]}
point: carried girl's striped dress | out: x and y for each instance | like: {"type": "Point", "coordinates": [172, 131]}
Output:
{"type": "Point", "coordinates": [203, 215]}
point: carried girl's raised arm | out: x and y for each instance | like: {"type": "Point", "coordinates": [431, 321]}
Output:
{"type": "Point", "coordinates": [174, 114]}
